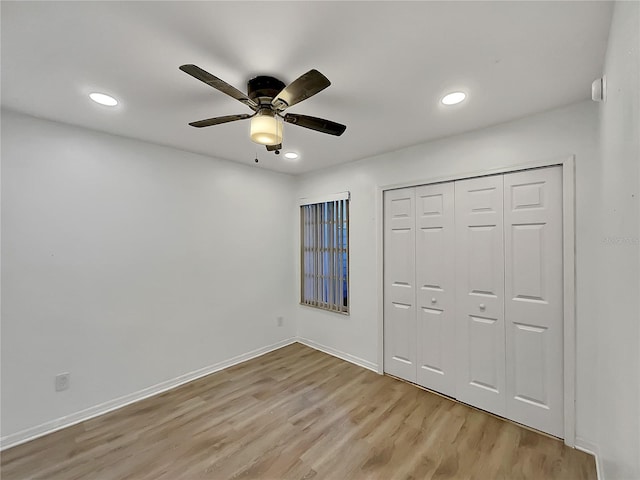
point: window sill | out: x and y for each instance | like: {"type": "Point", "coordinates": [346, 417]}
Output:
{"type": "Point", "coordinates": [343, 314]}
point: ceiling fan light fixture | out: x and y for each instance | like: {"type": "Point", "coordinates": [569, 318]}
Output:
{"type": "Point", "coordinates": [266, 128]}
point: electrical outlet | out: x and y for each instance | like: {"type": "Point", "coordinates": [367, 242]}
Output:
{"type": "Point", "coordinates": [280, 321]}
{"type": "Point", "coordinates": [62, 381]}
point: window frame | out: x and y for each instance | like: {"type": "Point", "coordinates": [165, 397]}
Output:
{"type": "Point", "coordinates": [345, 264]}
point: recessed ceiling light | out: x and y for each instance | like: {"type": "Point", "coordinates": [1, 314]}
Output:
{"type": "Point", "coordinates": [291, 155]}
{"type": "Point", "coordinates": [103, 99]}
{"type": "Point", "coordinates": [453, 98]}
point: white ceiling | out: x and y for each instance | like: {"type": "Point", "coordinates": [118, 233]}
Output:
{"type": "Point", "coordinates": [389, 63]}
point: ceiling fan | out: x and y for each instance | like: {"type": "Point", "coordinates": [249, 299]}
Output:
{"type": "Point", "coordinates": [268, 97]}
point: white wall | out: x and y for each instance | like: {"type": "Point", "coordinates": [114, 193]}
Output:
{"type": "Point", "coordinates": [129, 264]}
{"type": "Point", "coordinates": [618, 376]}
{"type": "Point", "coordinates": [566, 131]}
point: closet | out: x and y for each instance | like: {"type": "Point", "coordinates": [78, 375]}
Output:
{"type": "Point", "coordinates": [473, 292]}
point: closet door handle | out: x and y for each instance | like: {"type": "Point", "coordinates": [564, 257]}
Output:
{"type": "Point", "coordinates": [482, 306]}
{"type": "Point", "coordinates": [433, 300]}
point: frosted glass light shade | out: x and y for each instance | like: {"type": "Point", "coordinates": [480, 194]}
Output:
{"type": "Point", "coordinates": [266, 129]}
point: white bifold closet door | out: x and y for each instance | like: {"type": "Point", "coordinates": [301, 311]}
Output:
{"type": "Point", "coordinates": [419, 296]}
{"type": "Point", "coordinates": [480, 293]}
{"type": "Point", "coordinates": [435, 288]}
{"type": "Point", "coordinates": [534, 298]}
{"type": "Point", "coordinates": [399, 284]}
{"type": "Point", "coordinates": [473, 292]}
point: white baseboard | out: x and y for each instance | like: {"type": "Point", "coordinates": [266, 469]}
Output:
{"type": "Point", "coordinates": [63, 422]}
{"type": "Point", "coordinates": [592, 449]}
{"type": "Point", "coordinates": [337, 353]}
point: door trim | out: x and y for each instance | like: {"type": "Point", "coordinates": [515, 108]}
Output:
{"type": "Point", "coordinates": [569, 274]}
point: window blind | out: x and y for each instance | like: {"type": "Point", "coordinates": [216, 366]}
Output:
{"type": "Point", "coordinates": [325, 255]}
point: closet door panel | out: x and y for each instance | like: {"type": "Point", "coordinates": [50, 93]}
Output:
{"type": "Point", "coordinates": [480, 336]}
{"type": "Point", "coordinates": [435, 287]}
{"type": "Point", "coordinates": [534, 303]}
{"type": "Point", "coordinates": [399, 284]}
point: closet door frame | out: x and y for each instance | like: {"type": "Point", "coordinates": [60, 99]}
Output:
{"type": "Point", "coordinates": [569, 275]}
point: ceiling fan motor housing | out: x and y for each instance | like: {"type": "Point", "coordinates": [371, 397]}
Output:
{"type": "Point", "coordinates": [264, 87]}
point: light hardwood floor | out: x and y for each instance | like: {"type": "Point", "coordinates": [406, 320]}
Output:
{"type": "Point", "coordinates": [295, 413]}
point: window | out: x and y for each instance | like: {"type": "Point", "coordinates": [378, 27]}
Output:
{"type": "Point", "coordinates": [324, 239]}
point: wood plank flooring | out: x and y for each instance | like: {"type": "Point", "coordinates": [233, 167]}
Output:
{"type": "Point", "coordinates": [295, 413]}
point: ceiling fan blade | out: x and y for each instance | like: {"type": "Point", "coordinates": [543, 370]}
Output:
{"type": "Point", "coordinates": [314, 123]}
{"type": "Point", "coordinates": [218, 120]}
{"type": "Point", "coordinates": [215, 82]}
{"type": "Point", "coordinates": [300, 89]}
